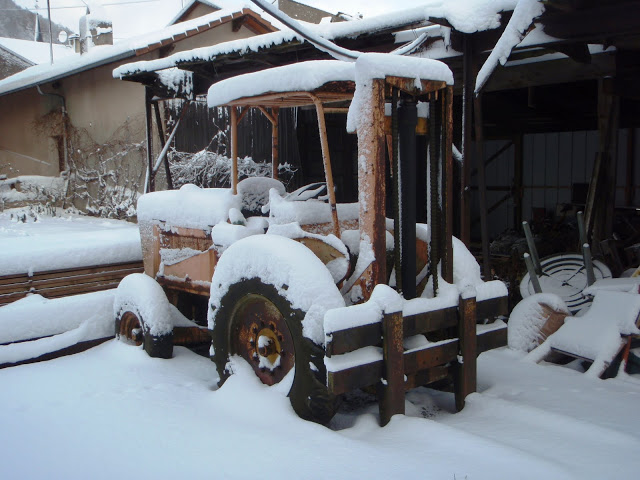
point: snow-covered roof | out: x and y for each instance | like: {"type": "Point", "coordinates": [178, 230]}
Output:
{"type": "Point", "coordinates": [298, 77]}
{"type": "Point", "coordinates": [103, 55]}
{"type": "Point", "coordinates": [34, 52]}
{"type": "Point", "coordinates": [466, 16]}
{"type": "Point", "coordinates": [189, 5]}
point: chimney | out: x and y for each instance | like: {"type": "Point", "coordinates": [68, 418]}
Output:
{"type": "Point", "coordinates": [95, 29]}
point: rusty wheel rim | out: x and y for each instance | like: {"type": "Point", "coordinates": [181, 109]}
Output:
{"type": "Point", "coordinates": [130, 329]}
{"type": "Point", "coordinates": [260, 335]}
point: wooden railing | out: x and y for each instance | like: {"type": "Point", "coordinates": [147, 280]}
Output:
{"type": "Point", "coordinates": [455, 342]}
{"type": "Point", "coordinates": [60, 283]}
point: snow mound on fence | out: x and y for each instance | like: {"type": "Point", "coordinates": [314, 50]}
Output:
{"type": "Point", "coordinates": [296, 273]}
{"type": "Point", "coordinates": [142, 295]}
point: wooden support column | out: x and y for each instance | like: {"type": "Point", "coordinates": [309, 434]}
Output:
{"type": "Point", "coordinates": [447, 200]}
{"type": "Point", "coordinates": [518, 181]}
{"type": "Point", "coordinates": [392, 388]}
{"type": "Point", "coordinates": [467, 117]}
{"type": "Point", "coordinates": [599, 211]}
{"type": "Point", "coordinates": [150, 183]}
{"type": "Point", "coordinates": [371, 187]}
{"type": "Point", "coordinates": [326, 159]}
{"type": "Point", "coordinates": [482, 186]}
{"type": "Point", "coordinates": [629, 187]}
{"type": "Point", "coordinates": [466, 375]}
{"type": "Point", "coordinates": [167, 171]}
{"type": "Point", "coordinates": [275, 148]}
{"type": "Point", "coordinates": [234, 150]}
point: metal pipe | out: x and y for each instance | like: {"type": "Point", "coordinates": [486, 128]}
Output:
{"type": "Point", "coordinates": [588, 264]}
{"type": "Point", "coordinates": [532, 248]}
{"type": "Point", "coordinates": [532, 273]}
{"type": "Point", "coordinates": [582, 233]}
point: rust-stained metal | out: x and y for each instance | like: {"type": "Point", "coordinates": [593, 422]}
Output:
{"type": "Point", "coordinates": [326, 159]}
{"type": "Point", "coordinates": [447, 194]}
{"type": "Point", "coordinates": [467, 363]}
{"type": "Point", "coordinates": [371, 186]}
{"type": "Point", "coordinates": [275, 148]}
{"type": "Point", "coordinates": [392, 395]}
{"type": "Point", "coordinates": [260, 335]}
{"type": "Point", "coordinates": [234, 150]}
{"type": "Point", "coordinates": [130, 328]}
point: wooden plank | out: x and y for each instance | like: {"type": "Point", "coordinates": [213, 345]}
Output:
{"type": "Point", "coordinates": [74, 271]}
{"type": "Point", "coordinates": [362, 376]}
{"type": "Point", "coordinates": [353, 378]}
{"type": "Point", "coordinates": [492, 308]}
{"type": "Point", "coordinates": [491, 339]}
{"type": "Point", "coordinates": [430, 321]}
{"type": "Point", "coordinates": [351, 339]}
{"type": "Point", "coordinates": [392, 390]}
{"type": "Point", "coordinates": [427, 376]}
{"type": "Point", "coordinates": [430, 356]}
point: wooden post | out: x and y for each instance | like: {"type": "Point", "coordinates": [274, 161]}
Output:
{"type": "Point", "coordinates": [518, 181]}
{"type": "Point", "coordinates": [467, 366]}
{"type": "Point", "coordinates": [234, 150]}
{"type": "Point", "coordinates": [482, 186]}
{"type": "Point", "coordinates": [467, 112]}
{"type": "Point", "coordinates": [326, 159]}
{"type": "Point", "coordinates": [447, 200]}
{"type": "Point", "coordinates": [150, 184]}
{"type": "Point", "coordinates": [275, 148]}
{"type": "Point", "coordinates": [371, 186]}
{"type": "Point", "coordinates": [392, 388]}
{"type": "Point", "coordinates": [629, 188]}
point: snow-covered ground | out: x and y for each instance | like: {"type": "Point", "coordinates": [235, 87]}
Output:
{"type": "Point", "coordinates": [34, 240]}
{"type": "Point", "coordinates": [113, 412]}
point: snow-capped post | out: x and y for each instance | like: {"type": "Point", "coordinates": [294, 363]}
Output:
{"type": "Point", "coordinates": [468, 348]}
{"type": "Point", "coordinates": [392, 395]}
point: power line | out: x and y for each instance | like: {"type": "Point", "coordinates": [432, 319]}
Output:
{"type": "Point", "coordinates": [78, 6]}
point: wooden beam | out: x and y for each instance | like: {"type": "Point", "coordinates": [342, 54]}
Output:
{"type": "Point", "coordinates": [467, 112]}
{"type": "Point", "coordinates": [484, 227]}
{"type": "Point", "coordinates": [447, 200]}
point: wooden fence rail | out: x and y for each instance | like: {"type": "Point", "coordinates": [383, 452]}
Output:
{"type": "Point", "coordinates": [457, 341]}
{"type": "Point", "coordinates": [60, 283]}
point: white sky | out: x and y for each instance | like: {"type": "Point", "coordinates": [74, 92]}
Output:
{"type": "Point", "coordinates": [135, 17]}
